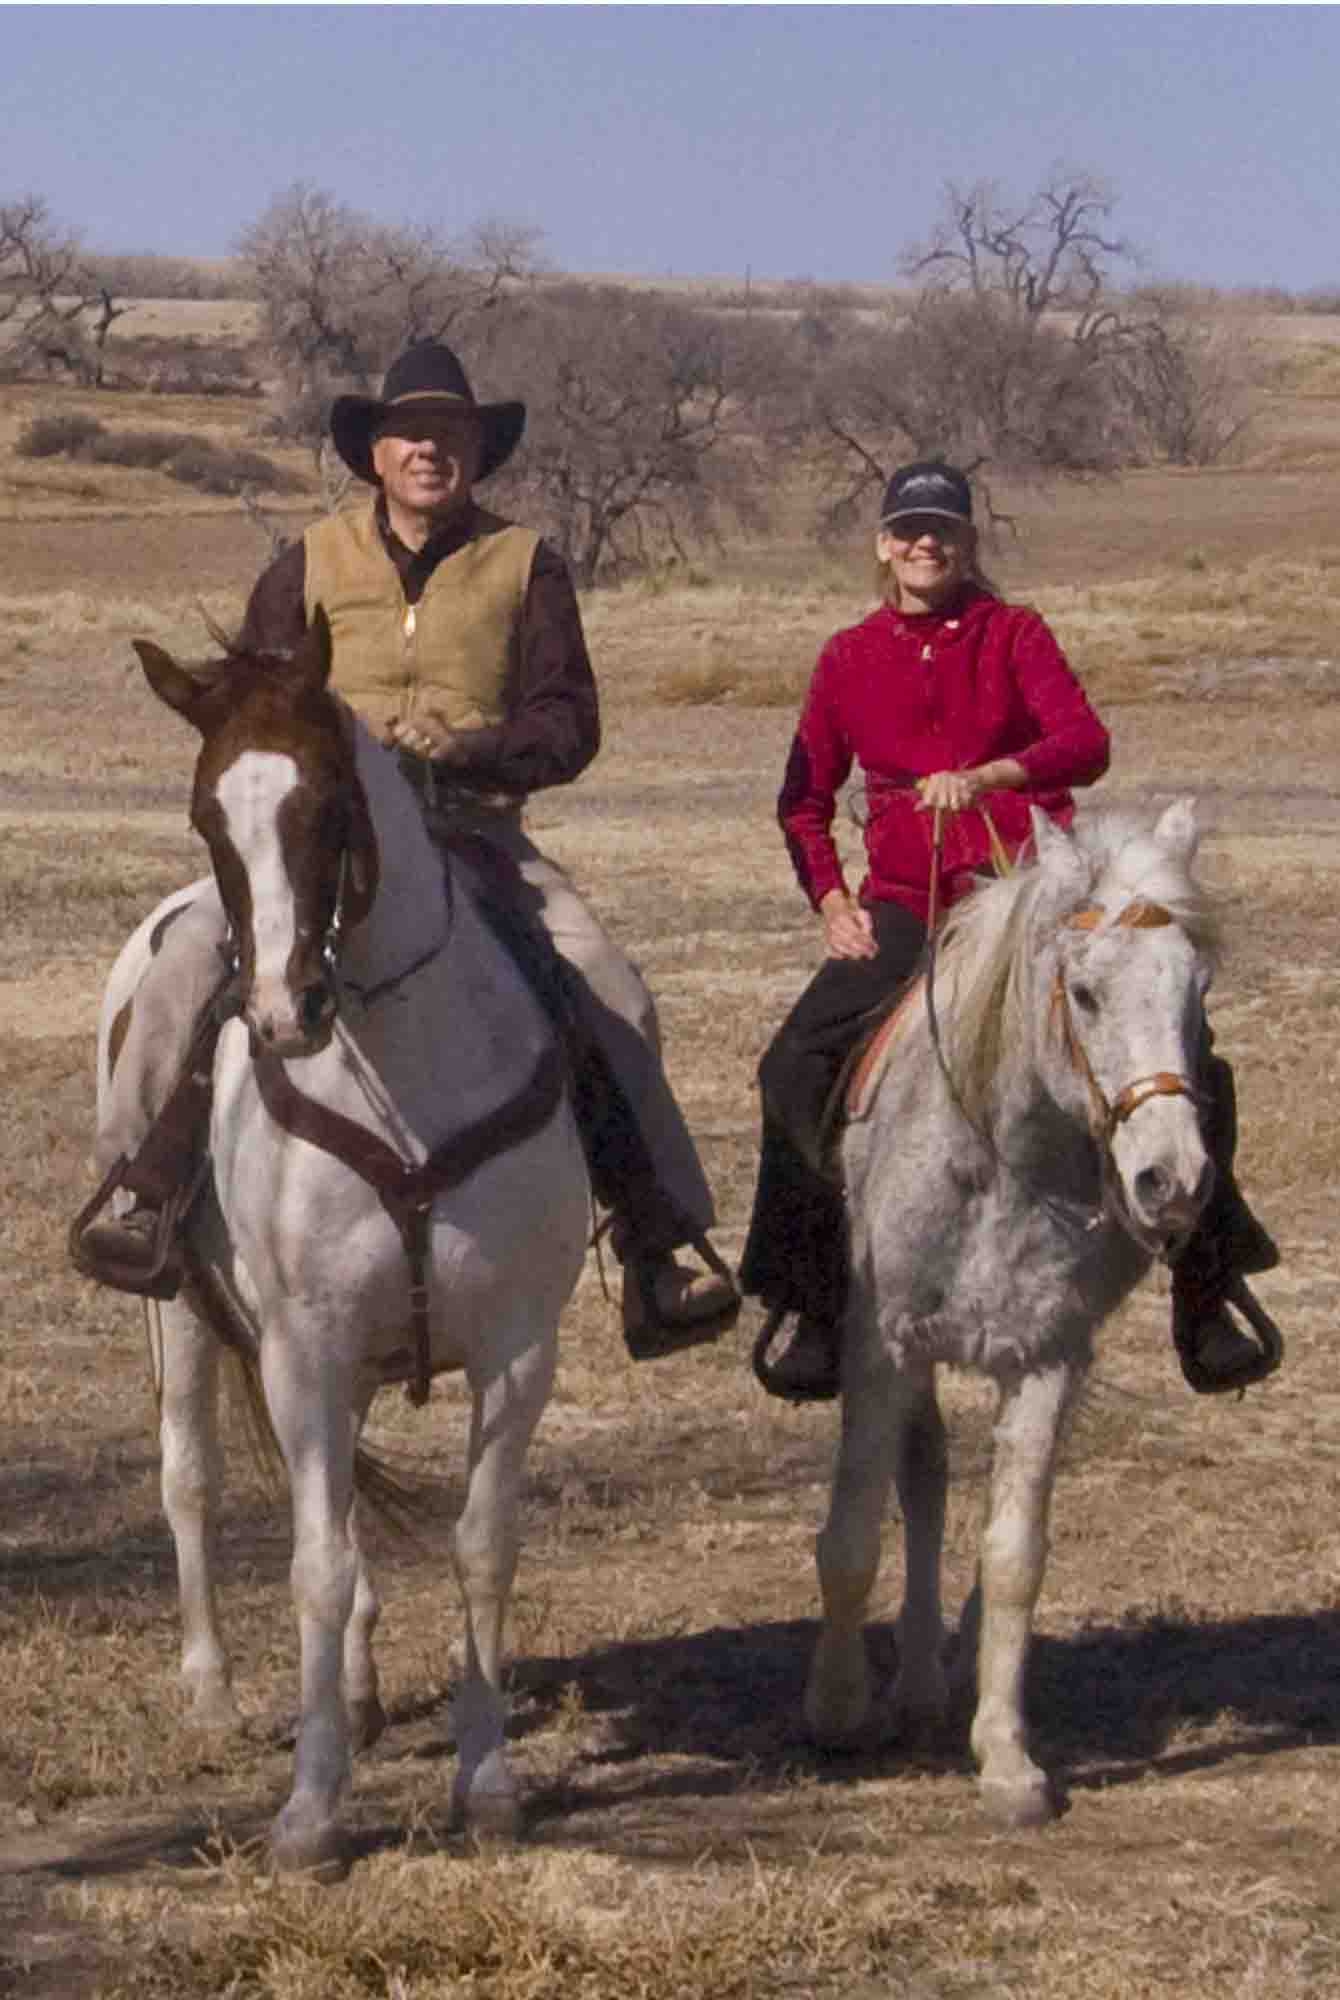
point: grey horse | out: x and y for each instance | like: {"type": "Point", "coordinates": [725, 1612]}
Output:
{"type": "Point", "coordinates": [1029, 1146]}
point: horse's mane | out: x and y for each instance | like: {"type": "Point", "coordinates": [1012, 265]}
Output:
{"type": "Point", "coordinates": [992, 937]}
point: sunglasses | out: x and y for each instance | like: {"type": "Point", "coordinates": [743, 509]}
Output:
{"type": "Point", "coordinates": [914, 527]}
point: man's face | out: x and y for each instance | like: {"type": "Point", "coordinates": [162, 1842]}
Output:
{"type": "Point", "coordinates": [428, 461]}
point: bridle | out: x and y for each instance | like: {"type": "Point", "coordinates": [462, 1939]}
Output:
{"type": "Point", "coordinates": [1106, 1116]}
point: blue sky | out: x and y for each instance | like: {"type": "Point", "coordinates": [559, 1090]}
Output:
{"type": "Point", "coordinates": [790, 141]}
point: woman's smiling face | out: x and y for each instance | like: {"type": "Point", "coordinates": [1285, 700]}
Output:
{"type": "Point", "coordinates": [930, 555]}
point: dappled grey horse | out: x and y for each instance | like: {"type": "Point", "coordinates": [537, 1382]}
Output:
{"type": "Point", "coordinates": [1028, 1145]}
{"type": "Point", "coordinates": [398, 1188]}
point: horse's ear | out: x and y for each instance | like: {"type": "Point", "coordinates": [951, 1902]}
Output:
{"type": "Point", "coordinates": [1177, 829]}
{"type": "Point", "coordinates": [311, 661]}
{"type": "Point", "coordinates": [1058, 854]}
{"type": "Point", "coordinates": [169, 682]}
{"type": "Point", "coordinates": [1050, 841]}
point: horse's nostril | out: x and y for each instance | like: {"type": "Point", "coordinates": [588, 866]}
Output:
{"type": "Point", "coordinates": [1153, 1185]}
{"type": "Point", "coordinates": [314, 1007]}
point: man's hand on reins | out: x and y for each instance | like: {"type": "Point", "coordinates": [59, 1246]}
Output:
{"type": "Point", "coordinates": [426, 736]}
{"type": "Point", "coordinates": [848, 930]}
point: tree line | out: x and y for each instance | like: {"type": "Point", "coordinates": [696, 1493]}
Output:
{"type": "Point", "coordinates": [1019, 342]}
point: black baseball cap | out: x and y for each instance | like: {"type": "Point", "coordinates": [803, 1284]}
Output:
{"type": "Point", "coordinates": [928, 487]}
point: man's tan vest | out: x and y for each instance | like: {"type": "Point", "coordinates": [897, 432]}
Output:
{"type": "Point", "coordinates": [455, 651]}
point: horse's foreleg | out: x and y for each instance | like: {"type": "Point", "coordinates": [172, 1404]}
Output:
{"type": "Point", "coordinates": [310, 1409]}
{"type": "Point", "coordinates": [837, 1698]}
{"type": "Point", "coordinates": [921, 1474]}
{"type": "Point", "coordinates": [188, 1430]}
{"type": "Point", "coordinates": [362, 1700]}
{"type": "Point", "coordinates": [507, 1408]}
{"type": "Point", "coordinates": [1014, 1789]}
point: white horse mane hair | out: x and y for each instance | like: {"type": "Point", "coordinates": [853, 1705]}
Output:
{"type": "Point", "coordinates": [1109, 858]}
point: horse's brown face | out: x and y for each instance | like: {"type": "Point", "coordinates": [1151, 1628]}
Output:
{"type": "Point", "coordinates": [278, 802]}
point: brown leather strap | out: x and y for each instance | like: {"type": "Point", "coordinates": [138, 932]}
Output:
{"type": "Point", "coordinates": [406, 1191]}
{"type": "Point", "coordinates": [172, 1146]}
{"type": "Point", "coordinates": [1137, 915]}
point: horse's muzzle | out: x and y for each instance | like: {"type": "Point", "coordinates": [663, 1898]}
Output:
{"type": "Point", "coordinates": [295, 1025]}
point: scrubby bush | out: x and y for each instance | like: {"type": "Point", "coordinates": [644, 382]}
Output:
{"type": "Point", "coordinates": [195, 461]}
{"type": "Point", "coordinates": [141, 451]}
{"type": "Point", "coordinates": [67, 435]}
{"type": "Point", "coordinates": [222, 469]}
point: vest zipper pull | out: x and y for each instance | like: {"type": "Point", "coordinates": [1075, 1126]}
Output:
{"type": "Point", "coordinates": [409, 621]}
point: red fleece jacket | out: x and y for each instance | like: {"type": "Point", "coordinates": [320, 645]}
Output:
{"type": "Point", "coordinates": [903, 697]}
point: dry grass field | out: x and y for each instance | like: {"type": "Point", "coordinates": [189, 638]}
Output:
{"type": "Point", "coordinates": [683, 1839]}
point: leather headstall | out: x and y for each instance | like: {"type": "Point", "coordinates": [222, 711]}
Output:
{"type": "Point", "coordinates": [1139, 914]}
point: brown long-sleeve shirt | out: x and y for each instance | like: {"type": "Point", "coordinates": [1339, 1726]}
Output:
{"type": "Point", "coordinates": [553, 731]}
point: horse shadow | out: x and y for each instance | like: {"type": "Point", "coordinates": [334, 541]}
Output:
{"type": "Point", "coordinates": [1105, 1704]}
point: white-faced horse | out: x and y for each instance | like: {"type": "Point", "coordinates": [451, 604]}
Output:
{"type": "Point", "coordinates": [393, 1156]}
{"type": "Point", "coordinates": [1030, 1145]}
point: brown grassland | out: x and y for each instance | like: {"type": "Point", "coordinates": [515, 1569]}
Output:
{"type": "Point", "coordinates": [683, 1839]}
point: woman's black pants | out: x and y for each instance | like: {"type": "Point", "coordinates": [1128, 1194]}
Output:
{"type": "Point", "coordinates": [796, 1254]}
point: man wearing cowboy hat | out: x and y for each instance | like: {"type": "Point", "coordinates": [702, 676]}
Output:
{"type": "Point", "coordinates": [457, 635]}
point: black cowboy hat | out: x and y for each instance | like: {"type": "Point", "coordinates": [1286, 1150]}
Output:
{"type": "Point", "coordinates": [424, 374]}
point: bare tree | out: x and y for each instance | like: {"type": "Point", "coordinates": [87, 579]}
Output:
{"type": "Point", "coordinates": [1184, 377]}
{"type": "Point", "coordinates": [637, 434]}
{"type": "Point", "coordinates": [341, 293]}
{"type": "Point", "coordinates": [1020, 353]}
{"type": "Point", "coordinates": [1052, 253]}
{"type": "Point", "coordinates": [53, 312]}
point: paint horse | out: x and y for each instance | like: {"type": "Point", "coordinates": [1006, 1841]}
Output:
{"type": "Point", "coordinates": [1030, 1145]}
{"type": "Point", "coordinates": [395, 1166]}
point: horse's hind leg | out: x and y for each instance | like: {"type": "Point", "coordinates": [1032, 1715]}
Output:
{"type": "Point", "coordinates": [507, 1408]}
{"type": "Point", "coordinates": [1014, 1789]}
{"type": "Point", "coordinates": [837, 1698]}
{"type": "Point", "coordinates": [188, 1430]}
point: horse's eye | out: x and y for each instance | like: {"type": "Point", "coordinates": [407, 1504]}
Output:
{"type": "Point", "coordinates": [1084, 998]}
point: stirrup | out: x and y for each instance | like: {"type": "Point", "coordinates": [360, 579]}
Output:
{"type": "Point", "coordinates": [159, 1278]}
{"type": "Point", "coordinates": [768, 1378]}
{"type": "Point", "coordinates": [1260, 1330]}
{"type": "Point", "coordinates": [648, 1334]}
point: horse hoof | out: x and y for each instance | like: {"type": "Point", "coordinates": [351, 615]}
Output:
{"type": "Point", "coordinates": [367, 1721]}
{"type": "Point", "coordinates": [1014, 1807]}
{"type": "Point", "coordinates": [837, 1704]}
{"type": "Point", "coordinates": [489, 1805]}
{"type": "Point", "coordinates": [321, 1852]}
{"type": "Point", "coordinates": [213, 1711]}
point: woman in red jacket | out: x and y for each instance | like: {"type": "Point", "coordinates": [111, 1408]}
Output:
{"type": "Point", "coordinates": [952, 700]}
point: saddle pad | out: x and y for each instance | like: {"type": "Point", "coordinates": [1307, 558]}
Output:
{"type": "Point", "coordinates": [872, 1055]}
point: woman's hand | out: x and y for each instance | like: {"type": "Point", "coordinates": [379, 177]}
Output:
{"type": "Point", "coordinates": [955, 791]}
{"type": "Point", "coordinates": [947, 791]}
{"type": "Point", "coordinates": [848, 930]}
